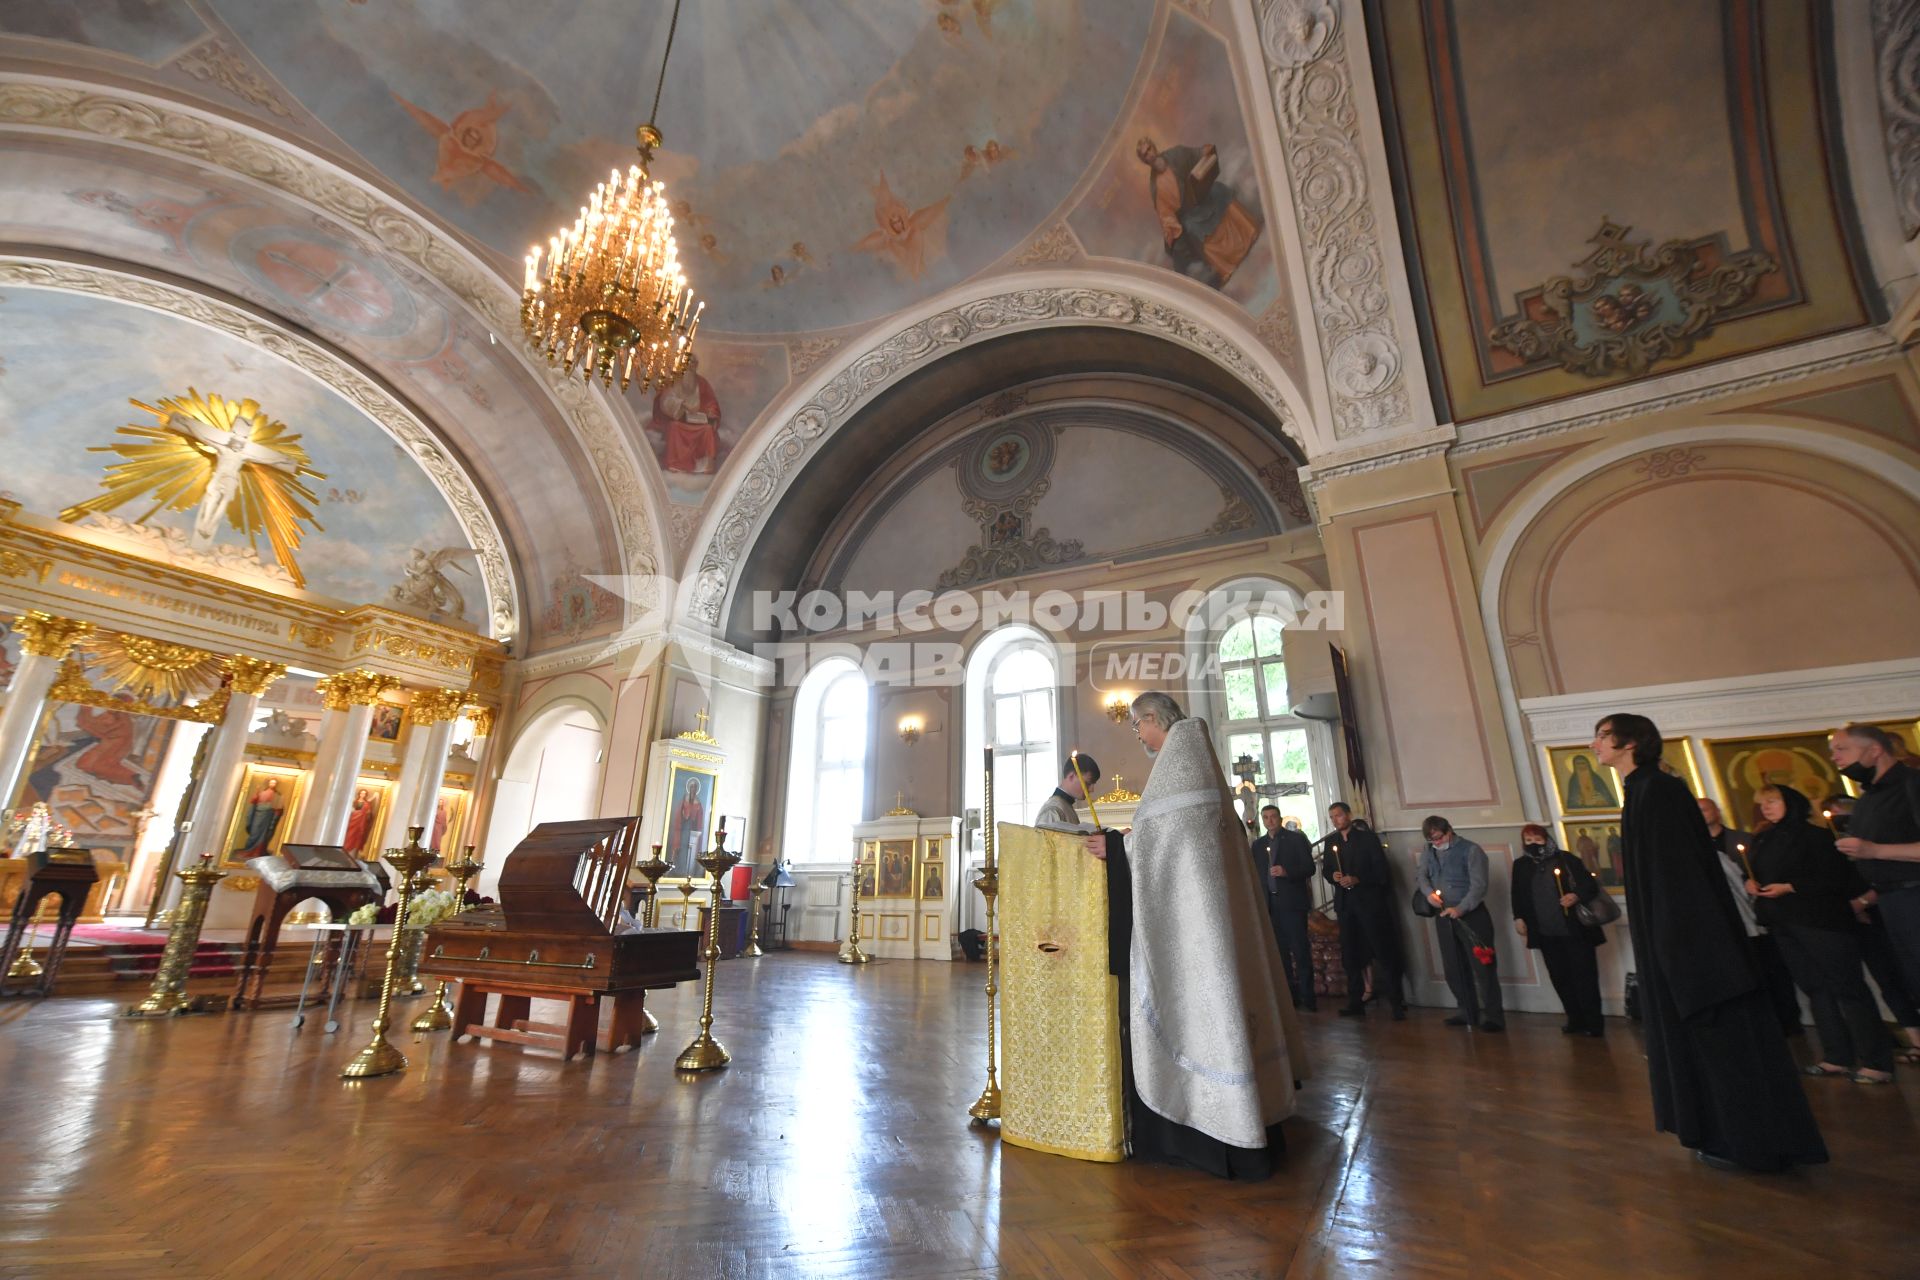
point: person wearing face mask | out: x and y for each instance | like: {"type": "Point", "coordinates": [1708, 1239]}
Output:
{"type": "Point", "coordinates": [1543, 905]}
{"type": "Point", "coordinates": [1802, 890]}
{"type": "Point", "coordinates": [1722, 1078]}
{"type": "Point", "coordinates": [1883, 835]}
{"type": "Point", "coordinates": [1733, 845]}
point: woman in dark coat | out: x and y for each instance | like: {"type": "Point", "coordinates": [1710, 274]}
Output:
{"type": "Point", "coordinates": [1543, 915]}
{"type": "Point", "coordinates": [1723, 1081]}
{"type": "Point", "coordinates": [1802, 891]}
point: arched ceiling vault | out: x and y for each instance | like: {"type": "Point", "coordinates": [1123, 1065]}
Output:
{"type": "Point", "coordinates": [794, 527]}
{"type": "Point", "coordinates": [597, 508]}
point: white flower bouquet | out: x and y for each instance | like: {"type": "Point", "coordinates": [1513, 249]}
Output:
{"type": "Point", "coordinates": [428, 908]}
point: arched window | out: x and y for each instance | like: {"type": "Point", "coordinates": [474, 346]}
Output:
{"type": "Point", "coordinates": [1012, 706]}
{"type": "Point", "coordinates": [1257, 723]}
{"type": "Point", "coordinates": [827, 787]}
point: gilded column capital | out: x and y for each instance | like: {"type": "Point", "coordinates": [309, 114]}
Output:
{"type": "Point", "coordinates": [436, 706]}
{"type": "Point", "coordinates": [482, 718]}
{"type": "Point", "coordinates": [253, 676]}
{"type": "Point", "coordinates": [360, 688]}
{"type": "Point", "coordinates": [44, 636]}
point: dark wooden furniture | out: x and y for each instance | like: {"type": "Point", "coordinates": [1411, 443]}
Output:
{"type": "Point", "coordinates": [67, 872]}
{"type": "Point", "coordinates": [288, 878]}
{"type": "Point", "coordinates": [561, 932]}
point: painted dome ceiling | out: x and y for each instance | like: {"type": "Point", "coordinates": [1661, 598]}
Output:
{"type": "Point", "coordinates": [827, 168]}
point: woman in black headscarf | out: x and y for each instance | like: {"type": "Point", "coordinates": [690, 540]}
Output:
{"type": "Point", "coordinates": [1543, 914]}
{"type": "Point", "coordinates": [1802, 890]}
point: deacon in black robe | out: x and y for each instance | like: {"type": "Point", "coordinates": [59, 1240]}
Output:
{"type": "Point", "coordinates": [1723, 1080]}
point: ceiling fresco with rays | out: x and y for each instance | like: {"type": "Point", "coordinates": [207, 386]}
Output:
{"type": "Point", "coordinates": [69, 367]}
{"type": "Point", "coordinates": [910, 146]}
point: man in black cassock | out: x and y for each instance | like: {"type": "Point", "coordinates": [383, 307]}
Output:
{"type": "Point", "coordinates": [1356, 866]}
{"type": "Point", "coordinates": [1723, 1080]}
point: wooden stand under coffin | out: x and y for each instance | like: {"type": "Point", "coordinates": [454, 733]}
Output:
{"type": "Point", "coordinates": [560, 932]}
{"type": "Point", "coordinates": [1059, 1007]}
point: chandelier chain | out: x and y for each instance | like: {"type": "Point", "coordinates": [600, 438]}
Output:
{"type": "Point", "coordinates": [673, 24]}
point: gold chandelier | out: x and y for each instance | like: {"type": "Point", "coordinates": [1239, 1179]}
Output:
{"type": "Point", "coordinates": [610, 298]}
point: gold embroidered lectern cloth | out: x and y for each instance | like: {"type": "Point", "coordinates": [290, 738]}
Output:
{"type": "Point", "coordinates": [1059, 1007]}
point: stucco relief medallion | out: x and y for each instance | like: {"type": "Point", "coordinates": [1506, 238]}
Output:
{"type": "Point", "coordinates": [1296, 32]}
{"type": "Point", "coordinates": [1364, 365]}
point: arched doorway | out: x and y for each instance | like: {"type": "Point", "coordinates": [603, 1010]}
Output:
{"type": "Point", "coordinates": [552, 775]}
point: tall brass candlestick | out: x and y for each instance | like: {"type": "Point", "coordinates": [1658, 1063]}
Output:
{"type": "Point", "coordinates": [753, 950]}
{"type": "Point", "coordinates": [987, 1106]}
{"type": "Point", "coordinates": [439, 1016]}
{"type": "Point", "coordinates": [652, 869]}
{"type": "Point", "coordinates": [380, 1058]}
{"type": "Point", "coordinates": [706, 1053]}
{"type": "Point", "coordinates": [850, 952]}
{"type": "Point", "coordinates": [169, 993]}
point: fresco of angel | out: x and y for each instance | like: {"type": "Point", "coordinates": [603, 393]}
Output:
{"type": "Point", "coordinates": [466, 147]}
{"type": "Point", "coordinates": [226, 458]}
{"type": "Point", "coordinates": [909, 239]}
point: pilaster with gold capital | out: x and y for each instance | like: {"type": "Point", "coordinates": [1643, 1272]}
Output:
{"type": "Point", "coordinates": [361, 688]}
{"type": "Point", "coordinates": [436, 706]}
{"type": "Point", "coordinates": [253, 676]}
{"type": "Point", "coordinates": [42, 635]}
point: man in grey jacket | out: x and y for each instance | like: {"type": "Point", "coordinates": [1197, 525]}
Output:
{"type": "Point", "coordinates": [1453, 876]}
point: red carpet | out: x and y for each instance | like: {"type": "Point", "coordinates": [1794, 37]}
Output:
{"type": "Point", "coordinates": [108, 936]}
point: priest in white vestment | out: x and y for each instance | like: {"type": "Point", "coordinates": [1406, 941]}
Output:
{"type": "Point", "coordinates": [1211, 1051]}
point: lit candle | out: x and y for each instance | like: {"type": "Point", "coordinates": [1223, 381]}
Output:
{"type": "Point", "coordinates": [1081, 778]}
{"type": "Point", "coordinates": [1558, 884]}
{"type": "Point", "coordinates": [1742, 850]}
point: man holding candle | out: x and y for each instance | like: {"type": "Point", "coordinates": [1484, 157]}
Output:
{"type": "Point", "coordinates": [1356, 866]}
{"type": "Point", "coordinates": [1453, 876]}
{"type": "Point", "coordinates": [1734, 847]}
{"type": "Point", "coordinates": [1058, 812]}
{"type": "Point", "coordinates": [1723, 1081]}
{"type": "Point", "coordinates": [1284, 859]}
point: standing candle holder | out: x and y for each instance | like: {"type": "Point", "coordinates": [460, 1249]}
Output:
{"type": "Point", "coordinates": [850, 952]}
{"type": "Point", "coordinates": [706, 1053]}
{"type": "Point", "coordinates": [987, 1106]}
{"type": "Point", "coordinates": [753, 951]}
{"type": "Point", "coordinates": [439, 1017]}
{"type": "Point", "coordinates": [169, 993]}
{"type": "Point", "coordinates": [380, 1058]}
{"type": "Point", "coordinates": [686, 900]}
{"type": "Point", "coordinates": [653, 868]}
{"type": "Point", "coordinates": [24, 965]}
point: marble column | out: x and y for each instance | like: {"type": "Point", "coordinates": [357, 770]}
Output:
{"type": "Point", "coordinates": [432, 714]}
{"type": "Point", "coordinates": [45, 642]}
{"type": "Point", "coordinates": [349, 698]}
{"type": "Point", "coordinates": [248, 681]}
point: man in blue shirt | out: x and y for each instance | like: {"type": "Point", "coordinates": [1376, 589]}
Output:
{"type": "Point", "coordinates": [1453, 876]}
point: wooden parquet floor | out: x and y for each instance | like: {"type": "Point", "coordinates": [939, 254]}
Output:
{"type": "Point", "coordinates": [836, 1145]}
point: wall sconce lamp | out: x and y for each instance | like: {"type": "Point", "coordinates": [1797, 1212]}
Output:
{"type": "Point", "coordinates": [1119, 707]}
{"type": "Point", "coordinates": [910, 729]}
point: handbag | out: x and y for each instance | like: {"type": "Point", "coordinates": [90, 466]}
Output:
{"type": "Point", "coordinates": [1603, 910]}
{"type": "Point", "coordinates": [1423, 905]}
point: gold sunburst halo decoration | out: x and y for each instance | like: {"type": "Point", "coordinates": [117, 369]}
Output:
{"type": "Point", "coordinates": [227, 457]}
{"type": "Point", "coordinates": [155, 671]}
